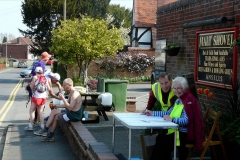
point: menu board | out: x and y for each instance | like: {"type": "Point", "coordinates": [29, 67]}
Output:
{"type": "Point", "coordinates": [160, 55]}
{"type": "Point", "coordinates": [215, 61]}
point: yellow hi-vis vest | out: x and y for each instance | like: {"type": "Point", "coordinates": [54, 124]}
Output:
{"type": "Point", "coordinates": [157, 91]}
{"type": "Point", "coordinates": [176, 113]}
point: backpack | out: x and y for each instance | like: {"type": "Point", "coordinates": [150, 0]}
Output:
{"type": "Point", "coordinates": [41, 86]}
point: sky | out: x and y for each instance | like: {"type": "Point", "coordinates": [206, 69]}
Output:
{"type": "Point", "coordinates": [11, 18]}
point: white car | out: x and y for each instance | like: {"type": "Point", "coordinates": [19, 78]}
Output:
{"type": "Point", "coordinates": [22, 65]}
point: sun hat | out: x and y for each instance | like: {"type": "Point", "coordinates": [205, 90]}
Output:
{"type": "Point", "coordinates": [38, 70]}
{"type": "Point", "coordinates": [45, 56]}
{"type": "Point", "coordinates": [55, 76]}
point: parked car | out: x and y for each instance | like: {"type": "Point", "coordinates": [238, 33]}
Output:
{"type": "Point", "coordinates": [50, 62]}
{"type": "Point", "coordinates": [13, 60]}
{"type": "Point", "coordinates": [22, 65]}
{"type": "Point", "coordinates": [26, 72]}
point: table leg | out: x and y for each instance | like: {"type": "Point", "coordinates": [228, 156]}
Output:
{"type": "Point", "coordinates": [175, 136]}
{"type": "Point", "coordinates": [99, 113]}
{"type": "Point", "coordinates": [113, 136]}
{"type": "Point", "coordinates": [85, 101]}
{"type": "Point", "coordinates": [105, 115]}
{"type": "Point", "coordinates": [130, 145]}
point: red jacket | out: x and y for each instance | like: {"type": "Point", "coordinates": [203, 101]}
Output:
{"type": "Point", "coordinates": [195, 132]}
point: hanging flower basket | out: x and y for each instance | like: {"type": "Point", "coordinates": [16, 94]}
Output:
{"type": "Point", "coordinates": [172, 49]}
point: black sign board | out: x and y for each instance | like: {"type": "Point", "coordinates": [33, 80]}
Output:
{"type": "Point", "coordinates": [215, 61]}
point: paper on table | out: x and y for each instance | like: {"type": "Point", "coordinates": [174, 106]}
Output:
{"type": "Point", "coordinates": [152, 121]}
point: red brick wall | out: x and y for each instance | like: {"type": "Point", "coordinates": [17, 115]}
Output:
{"type": "Point", "coordinates": [170, 20]}
{"type": "Point", "coordinates": [17, 51]}
{"type": "Point", "coordinates": [2, 66]}
{"type": "Point", "coordinates": [93, 69]}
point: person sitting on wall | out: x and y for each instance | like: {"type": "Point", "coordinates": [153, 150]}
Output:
{"type": "Point", "coordinates": [73, 111]}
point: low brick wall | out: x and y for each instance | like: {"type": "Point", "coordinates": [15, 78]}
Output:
{"type": "Point", "coordinates": [84, 145]}
{"type": "Point", "coordinates": [2, 66]}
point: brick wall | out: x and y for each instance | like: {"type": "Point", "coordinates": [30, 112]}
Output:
{"type": "Point", "coordinates": [2, 66]}
{"type": "Point", "coordinates": [84, 145]}
{"type": "Point", "coordinates": [94, 70]}
{"type": "Point", "coordinates": [16, 51]}
{"type": "Point", "coordinates": [170, 19]}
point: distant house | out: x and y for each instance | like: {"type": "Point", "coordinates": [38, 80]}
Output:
{"type": "Point", "coordinates": [17, 48]}
{"type": "Point", "coordinates": [143, 30]}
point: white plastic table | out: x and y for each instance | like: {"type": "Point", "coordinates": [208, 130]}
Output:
{"type": "Point", "coordinates": [138, 121]}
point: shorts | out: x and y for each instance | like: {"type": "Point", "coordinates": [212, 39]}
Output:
{"type": "Point", "coordinates": [63, 119]}
{"type": "Point", "coordinates": [39, 101]}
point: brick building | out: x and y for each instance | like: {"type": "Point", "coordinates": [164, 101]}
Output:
{"type": "Point", "coordinates": [17, 48]}
{"type": "Point", "coordinates": [183, 22]}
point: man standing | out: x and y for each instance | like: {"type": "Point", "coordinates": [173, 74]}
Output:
{"type": "Point", "coordinates": [73, 111]}
{"type": "Point", "coordinates": [161, 96]}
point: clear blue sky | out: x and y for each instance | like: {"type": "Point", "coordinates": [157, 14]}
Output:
{"type": "Point", "coordinates": [11, 18]}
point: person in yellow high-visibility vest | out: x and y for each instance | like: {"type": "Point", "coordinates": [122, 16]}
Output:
{"type": "Point", "coordinates": [186, 112]}
{"type": "Point", "coordinates": [161, 96]}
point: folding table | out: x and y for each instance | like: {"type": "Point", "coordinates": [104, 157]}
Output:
{"type": "Point", "coordinates": [139, 121]}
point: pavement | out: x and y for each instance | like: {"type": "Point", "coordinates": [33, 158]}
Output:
{"type": "Point", "coordinates": [24, 145]}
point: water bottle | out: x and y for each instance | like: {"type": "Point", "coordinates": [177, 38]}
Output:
{"type": "Point", "coordinates": [86, 114]}
{"type": "Point", "coordinates": [87, 89]}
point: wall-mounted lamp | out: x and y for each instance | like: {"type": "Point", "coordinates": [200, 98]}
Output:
{"type": "Point", "coordinates": [207, 22]}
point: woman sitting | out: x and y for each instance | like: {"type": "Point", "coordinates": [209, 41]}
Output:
{"type": "Point", "coordinates": [186, 113]}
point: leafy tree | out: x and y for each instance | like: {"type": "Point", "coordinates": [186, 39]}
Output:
{"type": "Point", "coordinates": [4, 39]}
{"type": "Point", "coordinates": [79, 41]}
{"type": "Point", "coordinates": [42, 16]}
{"type": "Point", "coordinates": [93, 8]}
{"type": "Point", "coordinates": [122, 16]}
{"type": "Point", "coordinates": [8, 36]}
{"type": "Point", "coordinates": [124, 31]}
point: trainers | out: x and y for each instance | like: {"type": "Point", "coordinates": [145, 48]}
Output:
{"type": "Point", "coordinates": [28, 128]}
{"type": "Point", "coordinates": [47, 139]}
{"type": "Point", "coordinates": [40, 133]}
{"type": "Point", "coordinates": [37, 124]}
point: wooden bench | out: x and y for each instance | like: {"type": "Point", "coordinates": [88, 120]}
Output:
{"type": "Point", "coordinates": [84, 145]}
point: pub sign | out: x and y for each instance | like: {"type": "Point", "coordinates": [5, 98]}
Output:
{"type": "Point", "coordinates": [215, 61]}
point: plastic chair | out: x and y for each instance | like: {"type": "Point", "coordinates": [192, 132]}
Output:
{"type": "Point", "coordinates": [148, 142]}
{"type": "Point", "coordinates": [211, 122]}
